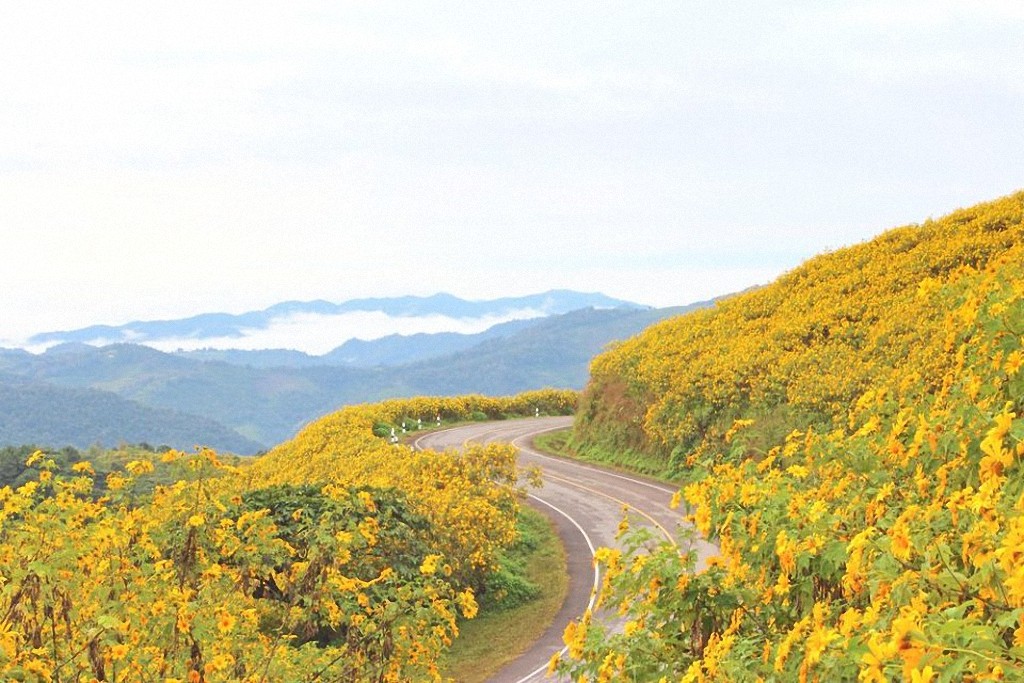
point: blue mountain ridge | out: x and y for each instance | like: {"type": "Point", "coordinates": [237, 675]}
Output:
{"type": "Point", "coordinates": [214, 325]}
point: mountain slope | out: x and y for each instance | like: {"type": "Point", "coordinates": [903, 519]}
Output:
{"type": "Point", "coordinates": [802, 349]}
{"type": "Point", "coordinates": [42, 414]}
{"type": "Point", "coordinates": [554, 351]}
{"type": "Point", "coordinates": [397, 349]}
{"type": "Point", "coordinates": [853, 436]}
{"type": "Point", "coordinates": [265, 405]}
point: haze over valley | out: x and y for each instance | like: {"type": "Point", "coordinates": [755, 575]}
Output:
{"type": "Point", "coordinates": [244, 401]}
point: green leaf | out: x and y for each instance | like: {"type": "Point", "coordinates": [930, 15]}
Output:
{"type": "Point", "coordinates": [1009, 619]}
{"type": "Point", "coordinates": [108, 622]}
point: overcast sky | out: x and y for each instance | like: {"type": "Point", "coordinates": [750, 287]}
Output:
{"type": "Point", "coordinates": [163, 159]}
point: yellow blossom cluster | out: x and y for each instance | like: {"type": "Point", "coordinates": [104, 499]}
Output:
{"type": "Point", "coordinates": [469, 497]}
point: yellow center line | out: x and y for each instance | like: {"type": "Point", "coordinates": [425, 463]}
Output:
{"type": "Point", "coordinates": [623, 503]}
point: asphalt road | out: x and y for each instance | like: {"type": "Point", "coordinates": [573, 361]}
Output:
{"type": "Point", "coordinates": [586, 504]}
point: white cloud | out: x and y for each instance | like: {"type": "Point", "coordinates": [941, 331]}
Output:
{"type": "Point", "coordinates": [317, 334]}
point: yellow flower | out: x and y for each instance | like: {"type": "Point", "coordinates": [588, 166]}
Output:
{"type": "Point", "coordinates": [784, 549]}
{"type": "Point", "coordinates": [849, 620]}
{"type": "Point", "coordinates": [368, 528]}
{"type": "Point", "coordinates": [429, 565]}
{"type": "Point", "coordinates": [925, 675]}
{"type": "Point", "coordinates": [467, 603]}
{"type": "Point", "coordinates": [1014, 583]}
{"type": "Point", "coordinates": [367, 500]}
{"type": "Point", "coordinates": [874, 660]}
{"type": "Point", "coordinates": [900, 543]}
{"type": "Point", "coordinates": [213, 571]}
{"type": "Point", "coordinates": [1014, 362]}
{"type": "Point", "coordinates": [83, 467]}
{"type": "Point", "coordinates": [39, 668]}
{"type": "Point", "coordinates": [818, 642]}
{"type": "Point", "coordinates": [225, 622]}
{"type": "Point", "coordinates": [798, 471]}
{"type": "Point", "coordinates": [737, 425]}
{"type": "Point", "coordinates": [927, 287]}
{"type": "Point", "coordinates": [137, 467]}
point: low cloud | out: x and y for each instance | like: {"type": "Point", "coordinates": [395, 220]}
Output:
{"type": "Point", "coordinates": [317, 334]}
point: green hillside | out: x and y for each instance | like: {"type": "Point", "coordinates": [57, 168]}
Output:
{"type": "Point", "coordinates": [33, 412]}
{"type": "Point", "coordinates": [555, 351]}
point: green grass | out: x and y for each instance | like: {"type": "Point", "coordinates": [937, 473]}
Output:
{"type": "Point", "coordinates": [561, 443]}
{"type": "Point", "coordinates": [555, 442]}
{"type": "Point", "coordinates": [534, 579]}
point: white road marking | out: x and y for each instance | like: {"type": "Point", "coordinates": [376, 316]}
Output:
{"type": "Point", "coordinates": [593, 591]}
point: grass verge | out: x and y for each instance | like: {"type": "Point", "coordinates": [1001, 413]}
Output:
{"type": "Point", "coordinates": [560, 443]}
{"type": "Point", "coordinates": [534, 580]}
{"type": "Point", "coordinates": [555, 442]}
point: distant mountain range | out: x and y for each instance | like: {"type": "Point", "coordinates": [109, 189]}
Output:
{"type": "Point", "coordinates": [222, 327]}
{"type": "Point", "coordinates": [246, 401]}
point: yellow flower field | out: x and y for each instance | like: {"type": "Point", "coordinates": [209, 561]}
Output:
{"type": "Point", "coordinates": [852, 436]}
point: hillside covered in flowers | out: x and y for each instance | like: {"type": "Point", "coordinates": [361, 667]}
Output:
{"type": "Point", "coordinates": [338, 556]}
{"type": "Point", "coordinates": [852, 436]}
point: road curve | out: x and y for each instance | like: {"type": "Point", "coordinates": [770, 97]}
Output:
{"type": "Point", "coordinates": [586, 504]}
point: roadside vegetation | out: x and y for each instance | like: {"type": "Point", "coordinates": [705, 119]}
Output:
{"type": "Point", "coordinates": [565, 444]}
{"type": "Point", "coordinates": [522, 600]}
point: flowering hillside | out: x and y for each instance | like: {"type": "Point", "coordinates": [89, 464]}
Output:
{"type": "Point", "coordinates": [852, 437]}
{"type": "Point", "coordinates": [337, 556]}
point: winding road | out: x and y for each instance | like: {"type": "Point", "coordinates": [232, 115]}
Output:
{"type": "Point", "coordinates": [586, 504]}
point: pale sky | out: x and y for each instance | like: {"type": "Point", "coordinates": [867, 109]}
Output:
{"type": "Point", "coordinates": [159, 160]}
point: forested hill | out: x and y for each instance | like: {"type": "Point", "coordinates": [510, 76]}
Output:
{"type": "Point", "coordinates": [44, 414]}
{"type": "Point", "coordinates": [553, 352]}
{"type": "Point", "coordinates": [852, 435]}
